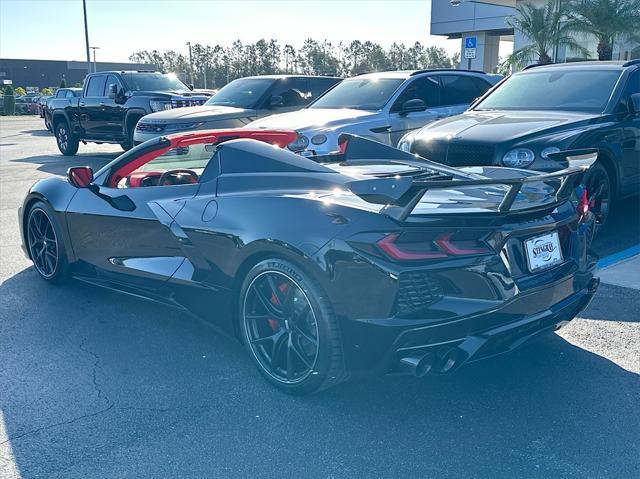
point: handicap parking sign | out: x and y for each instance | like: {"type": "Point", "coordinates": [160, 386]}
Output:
{"type": "Point", "coordinates": [470, 42]}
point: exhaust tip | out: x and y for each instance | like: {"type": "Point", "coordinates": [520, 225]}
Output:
{"type": "Point", "coordinates": [449, 361]}
{"type": "Point", "coordinates": [418, 366]}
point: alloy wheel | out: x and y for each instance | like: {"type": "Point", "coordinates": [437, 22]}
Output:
{"type": "Point", "coordinates": [43, 243]}
{"type": "Point", "coordinates": [62, 137]}
{"type": "Point", "coordinates": [281, 327]}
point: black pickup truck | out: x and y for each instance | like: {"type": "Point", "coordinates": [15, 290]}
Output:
{"type": "Point", "coordinates": [112, 103]}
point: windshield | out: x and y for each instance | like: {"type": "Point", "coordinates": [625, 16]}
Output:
{"type": "Point", "coordinates": [574, 90]}
{"type": "Point", "coordinates": [360, 94]}
{"type": "Point", "coordinates": [241, 93]}
{"type": "Point", "coordinates": [153, 82]}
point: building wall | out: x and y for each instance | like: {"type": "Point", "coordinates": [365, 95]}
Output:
{"type": "Point", "coordinates": [485, 19]}
{"type": "Point", "coordinates": [481, 20]}
{"type": "Point", "coordinates": [49, 73]}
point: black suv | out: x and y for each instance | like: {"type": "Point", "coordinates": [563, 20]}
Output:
{"type": "Point", "coordinates": [545, 109]}
{"type": "Point", "coordinates": [111, 104]}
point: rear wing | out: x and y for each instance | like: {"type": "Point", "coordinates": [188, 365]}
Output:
{"type": "Point", "coordinates": [513, 191]}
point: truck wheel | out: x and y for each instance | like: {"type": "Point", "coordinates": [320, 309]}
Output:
{"type": "Point", "coordinates": [67, 141]}
{"type": "Point", "coordinates": [131, 128]}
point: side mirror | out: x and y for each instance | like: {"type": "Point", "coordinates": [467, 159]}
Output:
{"type": "Point", "coordinates": [413, 105]}
{"type": "Point", "coordinates": [276, 101]}
{"type": "Point", "coordinates": [113, 90]}
{"type": "Point", "coordinates": [80, 176]}
{"type": "Point", "coordinates": [191, 87]}
{"type": "Point", "coordinates": [634, 104]}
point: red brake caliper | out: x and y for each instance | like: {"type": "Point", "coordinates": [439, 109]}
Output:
{"type": "Point", "coordinates": [273, 323]}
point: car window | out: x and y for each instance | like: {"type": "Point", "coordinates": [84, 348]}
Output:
{"type": "Point", "coordinates": [241, 93]}
{"type": "Point", "coordinates": [633, 84]}
{"type": "Point", "coordinates": [481, 85]}
{"type": "Point", "coordinates": [153, 82]}
{"type": "Point", "coordinates": [95, 88]}
{"type": "Point", "coordinates": [426, 89]}
{"type": "Point", "coordinates": [61, 93]}
{"type": "Point", "coordinates": [317, 86]}
{"type": "Point", "coordinates": [569, 90]}
{"type": "Point", "coordinates": [112, 79]}
{"type": "Point", "coordinates": [294, 92]}
{"type": "Point", "coordinates": [360, 94]}
{"type": "Point", "coordinates": [193, 158]}
{"type": "Point", "coordinates": [458, 89]}
{"type": "Point", "coordinates": [70, 94]}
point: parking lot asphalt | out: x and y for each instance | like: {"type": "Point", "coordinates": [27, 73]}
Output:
{"type": "Point", "coordinates": [95, 384]}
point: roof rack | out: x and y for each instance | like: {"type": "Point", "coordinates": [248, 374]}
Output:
{"type": "Point", "coordinates": [432, 70]}
{"type": "Point", "coordinates": [631, 62]}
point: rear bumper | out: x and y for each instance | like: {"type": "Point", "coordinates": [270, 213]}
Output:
{"type": "Point", "coordinates": [385, 344]}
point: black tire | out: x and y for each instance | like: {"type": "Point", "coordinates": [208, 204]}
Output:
{"type": "Point", "coordinates": [67, 142]}
{"type": "Point", "coordinates": [131, 128]}
{"type": "Point", "coordinates": [279, 335]}
{"type": "Point", "coordinates": [599, 191]}
{"type": "Point", "coordinates": [46, 244]}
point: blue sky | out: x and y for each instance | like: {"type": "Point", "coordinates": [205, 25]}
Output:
{"type": "Point", "coordinates": [53, 29]}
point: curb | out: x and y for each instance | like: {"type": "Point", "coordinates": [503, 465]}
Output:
{"type": "Point", "coordinates": [618, 257]}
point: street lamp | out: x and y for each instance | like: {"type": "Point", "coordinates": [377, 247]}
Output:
{"type": "Point", "coordinates": [86, 35]}
{"type": "Point", "coordinates": [95, 65]}
{"type": "Point", "coordinates": [190, 62]}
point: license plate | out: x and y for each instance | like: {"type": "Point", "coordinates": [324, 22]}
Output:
{"type": "Point", "coordinates": [543, 251]}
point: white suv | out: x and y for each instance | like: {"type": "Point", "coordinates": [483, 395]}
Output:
{"type": "Point", "coordinates": [382, 106]}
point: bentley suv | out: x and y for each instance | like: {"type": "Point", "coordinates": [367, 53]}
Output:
{"type": "Point", "coordinates": [543, 110]}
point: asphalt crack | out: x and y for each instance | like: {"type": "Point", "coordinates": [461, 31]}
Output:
{"type": "Point", "coordinates": [96, 386]}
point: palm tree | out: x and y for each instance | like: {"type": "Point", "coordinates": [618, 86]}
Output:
{"type": "Point", "coordinates": [546, 28]}
{"type": "Point", "coordinates": [607, 20]}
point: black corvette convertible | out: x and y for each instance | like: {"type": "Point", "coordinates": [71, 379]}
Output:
{"type": "Point", "coordinates": [375, 261]}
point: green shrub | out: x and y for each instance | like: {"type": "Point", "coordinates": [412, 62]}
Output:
{"type": "Point", "coordinates": [46, 91]}
{"type": "Point", "coordinates": [9, 101]}
{"type": "Point", "coordinates": [19, 91]}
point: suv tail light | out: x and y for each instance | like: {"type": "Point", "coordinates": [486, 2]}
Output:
{"type": "Point", "coordinates": [583, 207]}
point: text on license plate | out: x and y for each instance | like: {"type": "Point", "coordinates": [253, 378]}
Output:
{"type": "Point", "coordinates": [543, 251]}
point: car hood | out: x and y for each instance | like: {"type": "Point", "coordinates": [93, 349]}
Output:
{"type": "Point", "coordinates": [500, 126]}
{"type": "Point", "coordinates": [314, 118]}
{"type": "Point", "coordinates": [199, 113]}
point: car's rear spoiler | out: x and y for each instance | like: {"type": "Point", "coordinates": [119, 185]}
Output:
{"type": "Point", "coordinates": [401, 194]}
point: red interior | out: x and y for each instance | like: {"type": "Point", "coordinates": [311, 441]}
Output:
{"type": "Point", "coordinates": [279, 138]}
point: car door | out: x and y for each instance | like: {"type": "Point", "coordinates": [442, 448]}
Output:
{"type": "Point", "coordinates": [293, 92]}
{"type": "Point", "coordinates": [112, 111]}
{"type": "Point", "coordinates": [121, 228]}
{"type": "Point", "coordinates": [631, 139]}
{"type": "Point", "coordinates": [124, 234]}
{"type": "Point", "coordinates": [91, 106]}
{"type": "Point", "coordinates": [427, 89]}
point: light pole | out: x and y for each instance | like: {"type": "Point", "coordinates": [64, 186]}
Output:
{"type": "Point", "coordinates": [190, 62]}
{"type": "Point", "coordinates": [95, 65]}
{"type": "Point", "coordinates": [86, 35]}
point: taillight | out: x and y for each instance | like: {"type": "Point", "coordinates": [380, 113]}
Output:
{"type": "Point", "coordinates": [413, 248]}
{"type": "Point", "coordinates": [343, 140]}
{"type": "Point", "coordinates": [583, 207]}
{"type": "Point", "coordinates": [389, 246]}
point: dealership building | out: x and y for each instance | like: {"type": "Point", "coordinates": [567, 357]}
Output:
{"type": "Point", "coordinates": [480, 25]}
{"type": "Point", "coordinates": [49, 73]}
